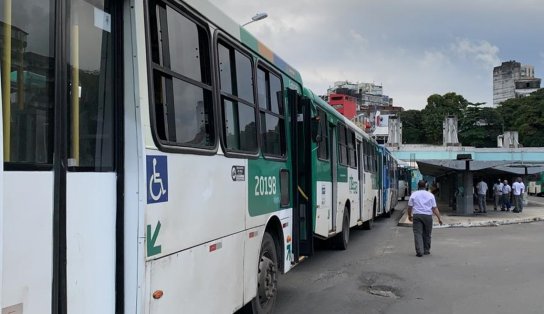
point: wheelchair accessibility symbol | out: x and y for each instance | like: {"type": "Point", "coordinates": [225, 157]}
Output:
{"type": "Point", "coordinates": [157, 179]}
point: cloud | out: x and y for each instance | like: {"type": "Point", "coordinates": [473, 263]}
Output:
{"type": "Point", "coordinates": [482, 52]}
{"type": "Point", "coordinates": [415, 48]}
{"type": "Point", "coordinates": [434, 59]}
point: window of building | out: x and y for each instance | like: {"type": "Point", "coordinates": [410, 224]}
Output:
{"type": "Point", "coordinates": [183, 105]}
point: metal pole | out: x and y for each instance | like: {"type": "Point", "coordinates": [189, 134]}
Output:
{"type": "Point", "coordinates": [6, 80]}
{"type": "Point", "coordinates": [75, 96]}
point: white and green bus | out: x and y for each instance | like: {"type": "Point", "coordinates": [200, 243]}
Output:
{"type": "Point", "coordinates": [160, 159]}
{"type": "Point", "coordinates": [344, 174]}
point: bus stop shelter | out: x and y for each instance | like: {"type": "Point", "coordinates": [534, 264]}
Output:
{"type": "Point", "coordinates": [456, 177]}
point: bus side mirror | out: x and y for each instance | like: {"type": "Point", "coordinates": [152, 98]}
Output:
{"type": "Point", "coordinates": [316, 130]}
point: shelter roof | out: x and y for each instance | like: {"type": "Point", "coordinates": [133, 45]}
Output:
{"type": "Point", "coordinates": [437, 168]}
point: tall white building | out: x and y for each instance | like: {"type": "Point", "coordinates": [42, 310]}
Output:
{"type": "Point", "coordinates": [513, 80]}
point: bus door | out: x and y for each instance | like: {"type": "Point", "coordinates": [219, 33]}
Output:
{"type": "Point", "coordinates": [362, 181]}
{"type": "Point", "coordinates": [301, 153]}
{"type": "Point", "coordinates": [92, 135]}
{"type": "Point", "coordinates": [334, 179]}
{"type": "Point", "coordinates": [59, 156]}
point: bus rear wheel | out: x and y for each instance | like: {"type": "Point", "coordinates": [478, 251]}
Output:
{"type": "Point", "coordinates": [342, 238]}
{"type": "Point", "coordinates": [369, 224]}
{"type": "Point", "coordinates": [267, 277]}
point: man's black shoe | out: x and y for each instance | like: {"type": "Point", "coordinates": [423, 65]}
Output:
{"type": "Point", "coordinates": [419, 255]}
{"type": "Point", "coordinates": [427, 253]}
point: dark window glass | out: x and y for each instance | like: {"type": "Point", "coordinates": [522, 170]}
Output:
{"type": "Point", "coordinates": [262, 88]}
{"type": "Point", "coordinates": [27, 75]}
{"type": "Point", "coordinates": [284, 186]}
{"type": "Point", "coordinates": [244, 77]}
{"type": "Point", "coordinates": [240, 130]}
{"type": "Point", "coordinates": [235, 73]}
{"type": "Point", "coordinates": [192, 107]}
{"type": "Point", "coordinates": [271, 134]}
{"type": "Point", "coordinates": [231, 125]}
{"type": "Point", "coordinates": [157, 36]}
{"type": "Point", "coordinates": [342, 145]}
{"type": "Point", "coordinates": [188, 47]}
{"type": "Point", "coordinates": [275, 94]}
{"type": "Point", "coordinates": [225, 73]}
{"type": "Point", "coordinates": [248, 128]}
{"type": "Point", "coordinates": [272, 121]}
{"type": "Point", "coordinates": [239, 120]}
{"type": "Point", "coordinates": [351, 149]}
{"type": "Point", "coordinates": [323, 146]}
{"type": "Point", "coordinates": [183, 105]}
{"type": "Point", "coordinates": [366, 155]}
{"type": "Point", "coordinates": [90, 76]}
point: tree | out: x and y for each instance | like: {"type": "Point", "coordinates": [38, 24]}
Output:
{"type": "Point", "coordinates": [412, 127]}
{"type": "Point", "coordinates": [480, 126]}
{"type": "Point", "coordinates": [525, 115]}
{"type": "Point", "coordinates": [438, 107]}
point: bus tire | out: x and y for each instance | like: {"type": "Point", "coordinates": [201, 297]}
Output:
{"type": "Point", "coordinates": [369, 224]}
{"type": "Point", "coordinates": [342, 239]}
{"type": "Point", "coordinates": [267, 277]}
{"type": "Point", "coordinates": [387, 214]}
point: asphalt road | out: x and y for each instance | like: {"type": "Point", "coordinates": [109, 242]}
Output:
{"type": "Point", "coordinates": [470, 270]}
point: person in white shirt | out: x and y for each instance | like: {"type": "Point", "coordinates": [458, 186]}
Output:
{"type": "Point", "coordinates": [518, 188]}
{"type": "Point", "coordinates": [421, 207]}
{"type": "Point", "coordinates": [497, 194]}
{"type": "Point", "coordinates": [506, 189]}
{"type": "Point", "coordinates": [482, 192]}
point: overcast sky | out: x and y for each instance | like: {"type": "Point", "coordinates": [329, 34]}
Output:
{"type": "Point", "coordinates": [414, 48]}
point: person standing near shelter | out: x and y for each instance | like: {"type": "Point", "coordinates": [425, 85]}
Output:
{"type": "Point", "coordinates": [517, 190]}
{"type": "Point", "coordinates": [506, 189]}
{"type": "Point", "coordinates": [497, 194]}
{"type": "Point", "coordinates": [421, 207]}
{"type": "Point", "coordinates": [482, 192]}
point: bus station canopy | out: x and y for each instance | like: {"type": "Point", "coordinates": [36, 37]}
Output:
{"type": "Point", "coordinates": [438, 168]}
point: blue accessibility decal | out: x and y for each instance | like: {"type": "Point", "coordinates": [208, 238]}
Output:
{"type": "Point", "coordinates": [157, 179]}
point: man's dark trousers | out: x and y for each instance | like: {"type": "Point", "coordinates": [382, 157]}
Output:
{"type": "Point", "coordinates": [423, 227]}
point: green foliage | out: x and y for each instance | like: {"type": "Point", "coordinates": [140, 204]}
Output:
{"type": "Point", "coordinates": [412, 127]}
{"type": "Point", "coordinates": [478, 126]}
{"type": "Point", "coordinates": [525, 115]}
{"type": "Point", "coordinates": [438, 107]}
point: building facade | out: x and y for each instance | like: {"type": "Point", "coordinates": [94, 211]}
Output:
{"type": "Point", "coordinates": [513, 80]}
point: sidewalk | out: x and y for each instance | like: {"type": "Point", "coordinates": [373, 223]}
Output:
{"type": "Point", "coordinates": [533, 211]}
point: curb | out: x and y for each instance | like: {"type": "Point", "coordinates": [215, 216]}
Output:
{"type": "Point", "coordinates": [485, 223]}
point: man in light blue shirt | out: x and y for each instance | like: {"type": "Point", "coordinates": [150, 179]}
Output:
{"type": "Point", "coordinates": [518, 188]}
{"type": "Point", "coordinates": [482, 192]}
{"type": "Point", "coordinates": [421, 207]}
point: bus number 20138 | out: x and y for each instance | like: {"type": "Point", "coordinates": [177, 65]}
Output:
{"type": "Point", "coordinates": [265, 185]}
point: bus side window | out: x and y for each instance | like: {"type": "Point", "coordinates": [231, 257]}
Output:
{"type": "Point", "coordinates": [271, 113]}
{"type": "Point", "coordinates": [342, 145]}
{"type": "Point", "coordinates": [181, 64]}
{"type": "Point", "coordinates": [351, 149]}
{"type": "Point", "coordinates": [237, 100]}
{"type": "Point", "coordinates": [323, 149]}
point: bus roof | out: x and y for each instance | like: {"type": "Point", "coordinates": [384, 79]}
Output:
{"type": "Point", "coordinates": [228, 25]}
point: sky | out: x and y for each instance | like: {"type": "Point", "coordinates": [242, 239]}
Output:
{"type": "Point", "coordinates": [413, 48]}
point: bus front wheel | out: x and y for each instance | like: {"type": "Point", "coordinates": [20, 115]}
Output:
{"type": "Point", "coordinates": [267, 277]}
